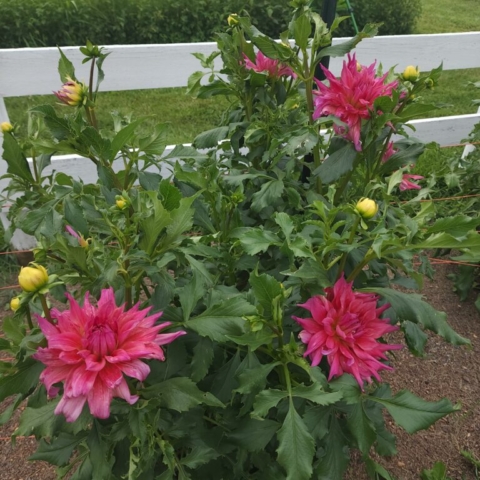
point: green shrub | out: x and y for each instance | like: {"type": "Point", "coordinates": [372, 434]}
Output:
{"type": "Point", "coordinates": [398, 16]}
{"type": "Point", "coordinates": [39, 23]}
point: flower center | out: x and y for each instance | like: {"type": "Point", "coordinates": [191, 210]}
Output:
{"type": "Point", "coordinates": [101, 340]}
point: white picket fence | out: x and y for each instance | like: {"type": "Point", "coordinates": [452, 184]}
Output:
{"type": "Point", "coordinates": [33, 71]}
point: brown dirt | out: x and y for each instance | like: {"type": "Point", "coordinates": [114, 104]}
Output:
{"type": "Point", "coordinates": [447, 371]}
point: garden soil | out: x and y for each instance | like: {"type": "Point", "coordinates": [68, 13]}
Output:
{"type": "Point", "coordinates": [446, 371]}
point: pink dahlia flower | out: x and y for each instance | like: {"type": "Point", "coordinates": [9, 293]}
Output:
{"type": "Point", "coordinates": [273, 68]}
{"type": "Point", "coordinates": [90, 349]}
{"type": "Point", "coordinates": [351, 97]}
{"type": "Point", "coordinates": [406, 184]}
{"type": "Point", "coordinates": [345, 327]}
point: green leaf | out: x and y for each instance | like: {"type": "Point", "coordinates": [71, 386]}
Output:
{"type": "Point", "coordinates": [335, 461]}
{"type": "Point", "coordinates": [185, 152]}
{"type": "Point", "coordinates": [254, 379]}
{"type": "Point", "coordinates": [256, 240]}
{"type": "Point", "coordinates": [58, 126]}
{"type": "Point", "coordinates": [99, 453]}
{"type": "Point", "coordinates": [180, 394]}
{"type": "Point", "coordinates": [302, 29]}
{"type": "Point", "coordinates": [253, 340]}
{"type": "Point", "coordinates": [211, 138]}
{"type": "Point", "coordinates": [413, 413]}
{"type": "Point", "coordinates": [16, 160]}
{"type": "Point", "coordinates": [223, 319]}
{"type": "Point", "coordinates": [203, 353]}
{"type": "Point", "coordinates": [284, 221]}
{"type": "Point", "coordinates": [39, 421]}
{"type": "Point", "coordinates": [23, 380]}
{"type": "Point", "coordinates": [266, 400]}
{"type": "Point", "coordinates": [337, 164]}
{"type": "Point", "coordinates": [316, 394]}
{"type": "Point", "coordinates": [65, 67]}
{"type": "Point", "coordinates": [253, 435]}
{"type": "Point", "coordinates": [411, 307]}
{"type": "Point", "coordinates": [200, 455]}
{"type": "Point", "coordinates": [266, 196]}
{"type": "Point", "coordinates": [266, 289]}
{"type": "Point", "coordinates": [124, 136]}
{"type": "Point", "coordinates": [296, 447]}
{"type": "Point", "coordinates": [74, 216]}
{"type": "Point", "coordinates": [375, 470]}
{"type": "Point", "coordinates": [415, 337]}
{"type": "Point", "coordinates": [457, 227]}
{"type": "Point", "coordinates": [59, 450]}
{"type": "Point", "coordinates": [361, 427]}
{"type": "Point", "coordinates": [190, 294]}
{"type": "Point", "coordinates": [445, 240]}
{"type": "Point", "coordinates": [152, 225]}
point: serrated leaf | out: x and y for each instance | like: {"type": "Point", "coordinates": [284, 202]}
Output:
{"type": "Point", "coordinates": [254, 379]}
{"type": "Point", "coordinates": [39, 421]}
{"type": "Point", "coordinates": [223, 319]}
{"type": "Point", "coordinates": [23, 380]}
{"type": "Point", "coordinates": [74, 216]}
{"type": "Point", "coordinates": [411, 307]}
{"type": "Point", "coordinates": [59, 450]}
{"type": "Point", "coordinates": [190, 294]}
{"type": "Point", "coordinates": [457, 226]}
{"type": "Point", "coordinates": [316, 394]}
{"type": "Point", "coordinates": [16, 160]}
{"type": "Point", "coordinates": [266, 400]}
{"type": "Point", "coordinates": [266, 289]}
{"type": "Point", "coordinates": [266, 196]}
{"type": "Point", "coordinates": [199, 455]}
{"type": "Point", "coordinates": [202, 358]}
{"type": "Point", "coordinates": [415, 337]}
{"type": "Point", "coordinates": [124, 136]}
{"type": "Point", "coordinates": [211, 138]}
{"type": "Point", "coordinates": [65, 67]}
{"type": "Point", "coordinates": [180, 394]}
{"type": "Point", "coordinates": [253, 340]}
{"type": "Point", "coordinates": [337, 164]}
{"type": "Point", "coordinates": [361, 427]}
{"type": "Point", "coordinates": [334, 463]}
{"type": "Point", "coordinates": [256, 240]}
{"type": "Point", "coordinates": [413, 413]}
{"type": "Point", "coordinates": [296, 447]}
{"type": "Point", "coordinates": [253, 435]}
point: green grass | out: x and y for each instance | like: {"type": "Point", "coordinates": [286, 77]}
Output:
{"type": "Point", "coordinates": [443, 16]}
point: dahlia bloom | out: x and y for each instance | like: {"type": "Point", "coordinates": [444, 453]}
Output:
{"type": "Point", "coordinates": [264, 64]}
{"type": "Point", "coordinates": [344, 327]}
{"type": "Point", "coordinates": [406, 184]}
{"type": "Point", "coordinates": [351, 97]}
{"type": "Point", "coordinates": [389, 152]}
{"type": "Point", "coordinates": [90, 349]}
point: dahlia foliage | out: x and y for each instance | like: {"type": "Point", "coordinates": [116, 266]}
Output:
{"type": "Point", "coordinates": [351, 97]}
{"type": "Point", "coordinates": [90, 349]}
{"type": "Point", "coordinates": [345, 327]}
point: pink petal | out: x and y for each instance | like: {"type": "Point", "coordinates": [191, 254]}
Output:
{"type": "Point", "coordinates": [70, 407]}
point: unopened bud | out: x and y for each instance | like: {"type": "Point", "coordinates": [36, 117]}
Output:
{"type": "Point", "coordinates": [72, 93]}
{"type": "Point", "coordinates": [33, 278]}
{"type": "Point", "coordinates": [121, 203]}
{"type": "Point", "coordinates": [367, 208]}
{"type": "Point", "coordinates": [411, 74]}
{"type": "Point", "coordinates": [232, 20]}
{"type": "Point", "coordinates": [6, 127]}
{"type": "Point", "coordinates": [15, 303]}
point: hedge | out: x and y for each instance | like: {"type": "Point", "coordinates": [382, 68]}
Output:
{"type": "Point", "coordinates": [38, 23]}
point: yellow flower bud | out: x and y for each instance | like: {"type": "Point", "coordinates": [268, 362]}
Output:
{"type": "Point", "coordinates": [121, 203]}
{"type": "Point", "coordinates": [232, 20]}
{"type": "Point", "coordinates": [6, 127]}
{"type": "Point", "coordinates": [33, 278]}
{"type": "Point", "coordinates": [367, 208]}
{"type": "Point", "coordinates": [411, 74]}
{"type": "Point", "coordinates": [15, 303]}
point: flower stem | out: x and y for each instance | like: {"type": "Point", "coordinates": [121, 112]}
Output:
{"type": "Point", "coordinates": [46, 310]}
{"type": "Point", "coordinates": [29, 318]}
{"type": "Point", "coordinates": [350, 241]}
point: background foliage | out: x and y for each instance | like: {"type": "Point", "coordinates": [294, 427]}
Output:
{"type": "Point", "coordinates": [35, 23]}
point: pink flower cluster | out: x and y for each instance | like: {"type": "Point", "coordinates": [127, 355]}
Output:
{"type": "Point", "coordinates": [90, 349]}
{"type": "Point", "coordinates": [273, 68]}
{"type": "Point", "coordinates": [351, 97]}
{"type": "Point", "coordinates": [345, 327]}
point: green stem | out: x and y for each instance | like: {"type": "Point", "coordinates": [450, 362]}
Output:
{"type": "Point", "coordinates": [288, 382]}
{"type": "Point", "coordinates": [46, 310]}
{"type": "Point", "coordinates": [93, 118]}
{"type": "Point", "coordinates": [350, 241]}
{"type": "Point", "coordinates": [368, 257]}
{"type": "Point", "coordinates": [346, 179]}
{"type": "Point", "coordinates": [29, 318]}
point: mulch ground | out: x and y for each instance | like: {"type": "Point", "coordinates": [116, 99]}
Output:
{"type": "Point", "coordinates": [446, 371]}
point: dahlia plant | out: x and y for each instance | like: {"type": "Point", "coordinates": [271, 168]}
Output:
{"type": "Point", "coordinates": [270, 258]}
